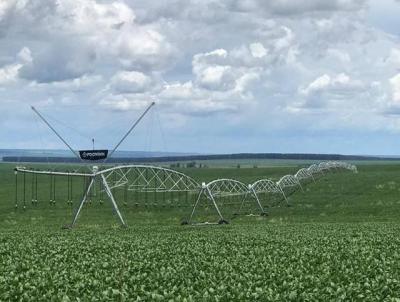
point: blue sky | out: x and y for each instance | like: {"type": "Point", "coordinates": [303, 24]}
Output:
{"type": "Point", "coordinates": [228, 76]}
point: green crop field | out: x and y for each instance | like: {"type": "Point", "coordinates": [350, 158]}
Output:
{"type": "Point", "coordinates": [338, 241]}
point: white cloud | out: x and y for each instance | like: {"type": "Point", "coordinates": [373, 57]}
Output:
{"type": "Point", "coordinates": [395, 85]}
{"type": "Point", "coordinates": [336, 92]}
{"type": "Point", "coordinates": [196, 100]}
{"type": "Point", "coordinates": [286, 40]}
{"type": "Point", "coordinates": [216, 56]}
{"type": "Point", "coordinates": [338, 54]}
{"type": "Point", "coordinates": [9, 73]}
{"type": "Point", "coordinates": [218, 11]}
{"type": "Point", "coordinates": [142, 48]}
{"type": "Point", "coordinates": [338, 85]}
{"type": "Point", "coordinates": [260, 62]}
{"type": "Point", "coordinates": [59, 62]}
{"type": "Point", "coordinates": [73, 38]}
{"type": "Point", "coordinates": [287, 7]}
{"type": "Point", "coordinates": [215, 77]}
{"type": "Point", "coordinates": [130, 82]}
{"type": "Point", "coordinates": [394, 57]}
{"type": "Point", "coordinates": [25, 56]}
{"type": "Point", "coordinates": [125, 102]}
{"type": "Point", "coordinates": [221, 70]}
{"type": "Point", "coordinates": [258, 50]}
{"type": "Point", "coordinates": [74, 85]}
{"type": "Point", "coordinates": [68, 17]}
{"type": "Point", "coordinates": [243, 83]}
{"type": "Point", "coordinates": [177, 91]}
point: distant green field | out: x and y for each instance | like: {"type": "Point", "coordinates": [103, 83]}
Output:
{"type": "Point", "coordinates": [250, 163]}
{"type": "Point", "coordinates": [338, 241]}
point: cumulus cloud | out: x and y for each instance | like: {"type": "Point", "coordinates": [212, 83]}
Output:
{"type": "Point", "coordinates": [338, 54]}
{"type": "Point", "coordinates": [72, 85]}
{"type": "Point", "coordinates": [225, 70]}
{"type": "Point", "coordinates": [287, 7]}
{"type": "Point", "coordinates": [125, 102]}
{"type": "Point", "coordinates": [258, 62]}
{"type": "Point", "coordinates": [338, 85]}
{"type": "Point", "coordinates": [331, 91]}
{"type": "Point", "coordinates": [218, 10]}
{"type": "Point", "coordinates": [185, 98]}
{"type": "Point", "coordinates": [394, 57]}
{"type": "Point", "coordinates": [215, 77]}
{"type": "Point", "coordinates": [59, 62]}
{"type": "Point", "coordinates": [73, 38]}
{"type": "Point", "coordinates": [258, 50]}
{"type": "Point", "coordinates": [130, 82]}
{"type": "Point", "coordinates": [179, 91]}
{"type": "Point", "coordinates": [25, 55]}
{"type": "Point", "coordinates": [142, 48]}
{"type": "Point", "coordinates": [194, 100]}
{"type": "Point", "coordinates": [9, 73]}
{"type": "Point", "coordinates": [395, 85]}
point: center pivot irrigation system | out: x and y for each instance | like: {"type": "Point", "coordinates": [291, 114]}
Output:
{"type": "Point", "coordinates": [83, 156]}
{"type": "Point", "coordinates": [155, 186]}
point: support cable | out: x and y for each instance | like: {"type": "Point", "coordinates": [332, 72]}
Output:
{"type": "Point", "coordinates": [56, 133]}
{"type": "Point", "coordinates": [130, 130]}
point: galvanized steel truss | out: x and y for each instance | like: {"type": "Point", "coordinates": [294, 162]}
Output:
{"type": "Point", "coordinates": [146, 178]}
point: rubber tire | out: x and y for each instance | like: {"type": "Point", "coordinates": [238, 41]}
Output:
{"type": "Point", "coordinates": [222, 221]}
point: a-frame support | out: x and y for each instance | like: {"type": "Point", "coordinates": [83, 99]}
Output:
{"type": "Point", "coordinates": [110, 195]}
{"type": "Point", "coordinates": [301, 187]}
{"type": "Point", "coordinates": [114, 204]}
{"type": "Point", "coordinates": [284, 196]}
{"type": "Point", "coordinates": [206, 192]}
{"type": "Point", "coordinates": [253, 194]}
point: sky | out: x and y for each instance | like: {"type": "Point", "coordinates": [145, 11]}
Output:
{"type": "Point", "coordinates": [305, 76]}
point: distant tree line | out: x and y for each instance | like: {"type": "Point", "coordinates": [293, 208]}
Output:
{"type": "Point", "coordinates": [191, 164]}
{"type": "Point", "coordinates": [193, 158]}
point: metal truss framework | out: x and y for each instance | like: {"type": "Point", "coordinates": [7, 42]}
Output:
{"type": "Point", "coordinates": [222, 188]}
{"type": "Point", "coordinates": [304, 174]}
{"type": "Point", "coordinates": [314, 169]}
{"type": "Point", "coordinates": [288, 181]}
{"type": "Point", "coordinates": [146, 178]}
{"type": "Point", "coordinates": [139, 178]}
{"type": "Point", "coordinates": [267, 186]}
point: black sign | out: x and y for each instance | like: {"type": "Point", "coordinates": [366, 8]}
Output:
{"type": "Point", "coordinates": [93, 154]}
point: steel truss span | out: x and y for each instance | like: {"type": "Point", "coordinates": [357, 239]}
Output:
{"type": "Point", "coordinates": [137, 178]}
{"type": "Point", "coordinates": [146, 179]}
{"type": "Point", "coordinates": [285, 186]}
{"type": "Point", "coordinates": [225, 187]}
{"type": "Point", "coordinates": [268, 186]}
